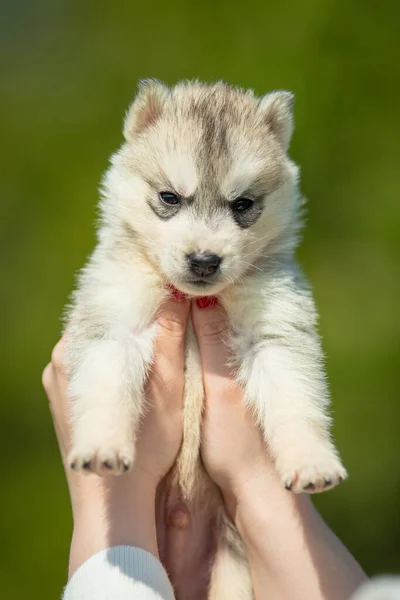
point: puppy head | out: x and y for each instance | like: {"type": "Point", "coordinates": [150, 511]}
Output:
{"type": "Point", "coordinates": [203, 181]}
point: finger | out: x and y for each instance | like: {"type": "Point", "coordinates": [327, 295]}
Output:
{"type": "Point", "coordinates": [172, 321]}
{"type": "Point", "coordinates": [47, 377]}
{"type": "Point", "coordinates": [58, 355]}
{"type": "Point", "coordinates": [210, 323]}
{"type": "Point", "coordinates": [178, 537]}
{"type": "Point", "coordinates": [58, 370]}
{"type": "Point", "coordinates": [166, 381]}
{"type": "Point", "coordinates": [57, 404]}
{"type": "Point", "coordinates": [55, 383]}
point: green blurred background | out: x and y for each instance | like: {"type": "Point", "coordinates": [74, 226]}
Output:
{"type": "Point", "coordinates": [68, 72]}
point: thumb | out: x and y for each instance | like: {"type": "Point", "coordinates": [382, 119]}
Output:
{"type": "Point", "coordinates": [210, 323]}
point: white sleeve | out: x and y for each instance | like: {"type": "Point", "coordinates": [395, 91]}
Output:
{"type": "Point", "coordinates": [120, 573]}
{"type": "Point", "coordinates": [380, 588]}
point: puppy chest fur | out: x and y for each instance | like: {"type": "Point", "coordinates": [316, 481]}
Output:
{"type": "Point", "coordinates": [202, 196]}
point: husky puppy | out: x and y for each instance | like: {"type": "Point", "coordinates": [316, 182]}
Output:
{"type": "Point", "coordinates": [202, 196]}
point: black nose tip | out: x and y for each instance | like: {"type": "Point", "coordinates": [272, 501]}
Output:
{"type": "Point", "coordinates": [203, 264]}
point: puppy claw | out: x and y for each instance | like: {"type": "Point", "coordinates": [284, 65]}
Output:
{"type": "Point", "coordinates": [309, 487]}
{"type": "Point", "coordinates": [112, 461]}
{"type": "Point", "coordinates": [126, 465]}
{"type": "Point", "coordinates": [313, 476]}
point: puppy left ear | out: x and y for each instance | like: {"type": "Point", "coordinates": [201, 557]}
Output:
{"type": "Point", "coordinates": [146, 108]}
{"type": "Point", "coordinates": [277, 110]}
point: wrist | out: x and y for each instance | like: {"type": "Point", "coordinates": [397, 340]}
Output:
{"type": "Point", "coordinates": [246, 484]}
{"type": "Point", "coordinates": [284, 534]}
{"type": "Point", "coordinates": [112, 511]}
{"type": "Point", "coordinates": [258, 500]}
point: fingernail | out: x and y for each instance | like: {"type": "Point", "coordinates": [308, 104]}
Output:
{"type": "Point", "coordinates": [179, 296]}
{"type": "Point", "coordinates": [206, 301]}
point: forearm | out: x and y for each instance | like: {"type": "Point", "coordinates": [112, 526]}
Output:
{"type": "Point", "coordinates": [112, 516]}
{"type": "Point", "coordinates": [292, 553]}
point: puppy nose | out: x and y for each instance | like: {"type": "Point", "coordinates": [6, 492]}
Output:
{"type": "Point", "coordinates": [203, 264]}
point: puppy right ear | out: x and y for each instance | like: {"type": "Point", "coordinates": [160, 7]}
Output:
{"type": "Point", "coordinates": [277, 110]}
{"type": "Point", "coordinates": [146, 107]}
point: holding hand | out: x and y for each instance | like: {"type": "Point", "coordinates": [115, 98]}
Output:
{"type": "Point", "coordinates": [291, 551]}
{"type": "Point", "coordinates": [232, 448]}
{"type": "Point", "coordinates": [110, 511]}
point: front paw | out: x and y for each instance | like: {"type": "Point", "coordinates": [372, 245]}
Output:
{"type": "Point", "coordinates": [105, 459]}
{"type": "Point", "coordinates": [311, 472]}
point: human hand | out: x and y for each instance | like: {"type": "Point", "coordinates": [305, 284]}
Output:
{"type": "Point", "coordinates": [110, 510]}
{"type": "Point", "coordinates": [161, 432]}
{"type": "Point", "coordinates": [291, 551]}
{"type": "Point", "coordinates": [233, 450]}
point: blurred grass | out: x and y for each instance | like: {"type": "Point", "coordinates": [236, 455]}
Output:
{"type": "Point", "coordinates": [68, 72]}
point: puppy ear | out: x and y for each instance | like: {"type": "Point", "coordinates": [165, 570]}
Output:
{"type": "Point", "coordinates": [277, 110]}
{"type": "Point", "coordinates": [146, 108]}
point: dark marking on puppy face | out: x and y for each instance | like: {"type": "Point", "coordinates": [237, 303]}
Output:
{"type": "Point", "coordinates": [210, 112]}
{"type": "Point", "coordinates": [129, 234]}
{"type": "Point", "coordinates": [163, 211]}
{"type": "Point", "coordinates": [248, 217]}
{"type": "Point", "coordinates": [214, 135]}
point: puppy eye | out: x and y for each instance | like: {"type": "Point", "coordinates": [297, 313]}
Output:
{"type": "Point", "coordinates": [169, 198]}
{"type": "Point", "coordinates": [242, 204]}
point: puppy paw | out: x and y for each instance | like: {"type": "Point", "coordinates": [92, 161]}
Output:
{"type": "Point", "coordinates": [312, 475]}
{"type": "Point", "coordinates": [104, 460]}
